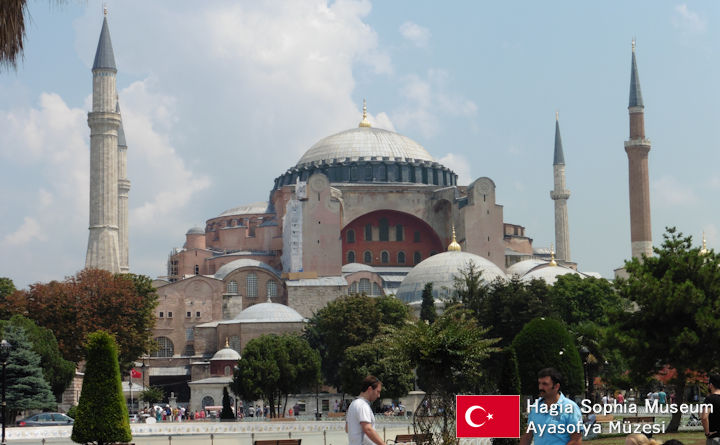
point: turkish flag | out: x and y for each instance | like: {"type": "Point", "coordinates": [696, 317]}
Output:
{"type": "Point", "coordinates": [135, 374]}
{"type": "Point", "coordinates": [487, 416]}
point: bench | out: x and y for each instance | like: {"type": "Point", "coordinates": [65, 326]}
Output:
{"type": "Point", "coordinates": [278, 442]}
{"type": "Point", "coordinates": [603, 419]}
{"type": "Point", "coordinates": [417, 439]}
{"type": "Point", "coordinates": [282, 419]}
{"type": "Point", "coordinates": [639, 419]}
{"type": "Point", "coordinates": [336, 414]}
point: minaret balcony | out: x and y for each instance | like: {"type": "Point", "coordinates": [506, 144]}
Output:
{"type": "Point", "coordinates": [560, 194]}
{"type": "Point", "coordinates": [637, 142]}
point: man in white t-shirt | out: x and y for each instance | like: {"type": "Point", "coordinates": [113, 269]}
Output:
{"type": "Point", "coordinates": [360, 424]}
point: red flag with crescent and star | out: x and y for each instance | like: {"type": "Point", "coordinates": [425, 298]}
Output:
{"type": "Point", "coordinates": [487, 416]}
{"type": "Point", "coordinates": [135, 374]}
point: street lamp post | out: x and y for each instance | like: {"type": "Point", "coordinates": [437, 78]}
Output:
{"type": "Point", "coordinates": [4, 350]}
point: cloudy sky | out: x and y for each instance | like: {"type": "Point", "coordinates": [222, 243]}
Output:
{"type": "Point", "coordinates": [220, 99]}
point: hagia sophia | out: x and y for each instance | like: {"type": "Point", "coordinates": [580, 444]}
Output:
{"type": "Point", "coordinates": [365, 210]}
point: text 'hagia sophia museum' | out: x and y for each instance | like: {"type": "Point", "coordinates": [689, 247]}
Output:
{"type": "Point", "coordinates": [365, 210]}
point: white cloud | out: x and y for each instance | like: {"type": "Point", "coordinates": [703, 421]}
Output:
{"type": "Point", "coordinates": [28, 231]}
{"type": "Point", "coordinates": [686, 20]}
{"type": "Point", "coordinates": [426, 100]}
{"type": "Point", "coordinates": [669, 192]}
{"type": "Point", "coordinates": [459, 164]}
{"type": "Point", "coordinates": [416, 34]}
{"type": "Point", "coordinates": [161, 182]}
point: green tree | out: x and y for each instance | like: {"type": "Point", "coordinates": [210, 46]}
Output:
{"type": "Point", "coordinates": [544, 343]}
{"type": "Point", "coordinates": [227, 412]}
{"type": "Point", "coordinates": [393, 312]}
{"type": "Point", "coordinates": [26, 387]}
{"type": "Point", "coordinates": [152, 395]}
{"type": "Point", "coordinates": [345, 322]}
{"type": "Point", "coordinates": [383, 358]}
{"type": "Point", "coordinates": [273, 366]}
{"type": "Point", "coordinates": [57, 371]}
{"type": "Point", "coordinates": [102, 416]}
{"type": "Point", "coordinates": [427, 307]}
{"type": "Point", "coordinates": [449, 356]}
{"type": "Point", "coordinates": [673, 316]}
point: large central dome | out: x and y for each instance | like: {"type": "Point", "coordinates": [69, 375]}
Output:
{"type": "Point", "coordinates": [365, 143]}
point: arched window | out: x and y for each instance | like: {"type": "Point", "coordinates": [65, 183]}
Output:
{"type": "Point", "coordinates": [351, 257]}
{"type": "Point", "coordinates": [165, 347]}
{"type": "Point", "coordinates": [208, 401]}
{"type": "Point", "coordinates": [227, 371]}
{"type": "Point", "coordinates": [232, 287]}
{"type": "Point", "coordinates": [364, 287]}
{"type": "Point", "coordinates": [384, 230]}
{"type": "Point", "coordinates": [368, 232]}
{"type": "Point", "coordinates": [399, 232]}
{"type": "Point", "coordinates": [376, 289]}
{"type": "Point", "coordinates": [417, 257]}
{"type": "Point", "coordinates": [385, 257]}
{"type": "Point", "coordinates": [189, 350]}
{"type": "Point", "coordinates": [367, 257]}
{"type": "Point", "coordinates": [350, 236]}
{"type": "Point", "coordinates": [252, 284]}
{"type": "Point", "coordinates": [271, 289]}
{"type": "Point", "coordinates": [401, 257]}
{"type": "Point", "coordinates": [197, 270]}
{"type": "Point", "coordinates": [353, 287]}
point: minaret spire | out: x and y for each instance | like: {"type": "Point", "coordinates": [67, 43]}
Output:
{"type": "Point", "coordinates": [560, 194]}
{"type": "Point", "coordinates": [637, 148]}
{"type": "Point", "coordinates": [103, 250]}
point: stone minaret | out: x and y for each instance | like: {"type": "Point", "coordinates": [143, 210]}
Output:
{"type": "Point", "coordinates": [103, 250]}
{"type": "Point", "coordinates": [637, 148]}
{"type": "Point", "coordinates": [560, 195]}
{"type": "Point", "coordinates": [123, 189]}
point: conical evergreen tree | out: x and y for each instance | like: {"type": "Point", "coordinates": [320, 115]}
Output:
{"type": "Point", "coordinates": [427, 307]}
{"type": "Point", "coordinates": [102, 416]}
{"type": "Point", "coordinates": [26, 388]}
{"type": "Point", "coordinates": [227, 412]}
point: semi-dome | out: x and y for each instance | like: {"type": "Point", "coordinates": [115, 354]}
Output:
{"type": "Point", "coordinates": [550, 273]}
{"type": "Point", "coordinates": [226, 353]}
{"type": "Point", "coordinates": [441, 270]}
{"type": "Point", "coordinates": [357, 267]}
{"type": "Point", "coordinates": [522, 267]}
{"type": "Point", "coordinates": [365, 143]}
{"type": "Point", "coordinates": [238, 264]}
{"type": "Point", "coordinates": [249, 209]}
{"type": "Point", "coordinates": [269, 313]}
{"type": "Point", "coordinates": [196, 231]}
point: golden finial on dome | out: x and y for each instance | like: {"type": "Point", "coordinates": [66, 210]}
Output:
{"type": "Point", "coordinates": [552, 256]}
{"type": "Point", "coordinates": [364, 122]}
{"type": "Point", "coordinates": [454, 246]}
{"type": "Point", "coordinates": [704, 250]}
{"type": "Point", "coordinates": [227, 343]}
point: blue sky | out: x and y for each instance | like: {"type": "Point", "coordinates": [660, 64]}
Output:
{"type": "Point", "coordinates": [220, 99]}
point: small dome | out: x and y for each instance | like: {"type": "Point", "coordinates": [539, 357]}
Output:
{"type": "Point", "coordinates": [365, 142]}
{"type": "Point", "coordinates": [196, 231]}
{"type": "Point", "coordinates": [357, 267]}
{"type": "Point", "coordinates": [550, 273]}
{"type": "Point", "coordinates": [269, 313]}
{"type": "Point", "coordinates": [239, 264]}
{"type": "Point", "coordinates": [226, 353]}
{"type": "Point", "coordinates": [441, 270]}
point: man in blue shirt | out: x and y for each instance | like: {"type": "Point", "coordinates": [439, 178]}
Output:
{"type": "Point", "coordinates": [553, 419]}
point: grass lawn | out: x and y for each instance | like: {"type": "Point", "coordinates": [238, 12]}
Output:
{"type": "Point", "coordinates": [687, 438]}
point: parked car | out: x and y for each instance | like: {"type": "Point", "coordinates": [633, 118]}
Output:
{"type": "Point", "coordinates": [46, 419]}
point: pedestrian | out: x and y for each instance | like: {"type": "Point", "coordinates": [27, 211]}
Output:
{"type": "Point", "coordinates": [360, 424]}
{"type": "Point", "coordinates": [662, 396]}
{"type": "Point", "coordinates": [620, 398]}
{"type": "Point", "coordinates": [711, 420]}
{"type": "Point", "coordinates": [558, 410]}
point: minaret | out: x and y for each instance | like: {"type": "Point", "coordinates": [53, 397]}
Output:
{"type": "Point", "coordinates": [103, 249]}
{"type": "Point", "coordinates": [123, 189]}
{"type": "Point", "coordinates": [560, 195]}
{"type": "Point", "coordinates": [637, 148]}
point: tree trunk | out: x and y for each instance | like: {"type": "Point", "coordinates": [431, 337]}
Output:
{"type": "Point", "coordinates": [679, 399]}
